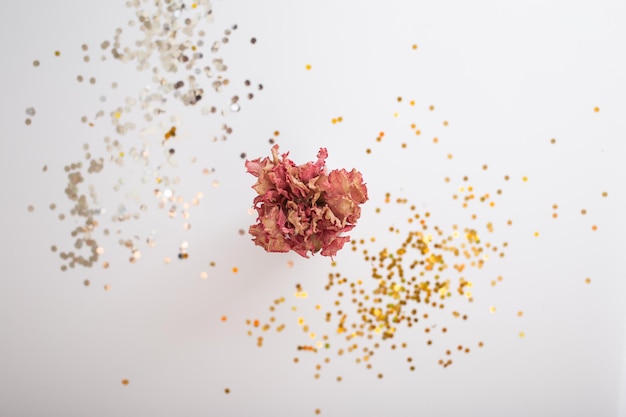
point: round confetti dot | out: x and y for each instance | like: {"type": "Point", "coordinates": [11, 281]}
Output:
{"type": "Point", "coordinates": [235, 269]}
{"type": "Point", "coordinates": [35, 63]}
{"type": "Point", "coordinates": [553, 141]}
{"type": "Point", "coordinates": [522, 334]}
{"type": "Point", "coordinates": [596, 109]}
{"type": "Point", "coordinates": [594, 227]}
{"type": "Point", "coordinates": [125, 381]}
{"type": "Point", "coordinates": [308, 67]}
{"type": "Point", "coordinates": [587, 280]}
{"type": "Point", "coordinates": [57, 53]}
{"type": "Point", "coordinates": [253, 41]}
{"type": "Point", "coordinates": [227, 390]}
{"type": "Point", "coordinates": [224, 318]}
{"type": "Point", "coordinates": [605, 194]}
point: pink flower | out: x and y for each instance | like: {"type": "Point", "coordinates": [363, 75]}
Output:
{"type": "Point", "coordinates": [301, 207]}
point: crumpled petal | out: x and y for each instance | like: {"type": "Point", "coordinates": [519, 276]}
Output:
{"type": "Point", "coordinates": [302, 207]}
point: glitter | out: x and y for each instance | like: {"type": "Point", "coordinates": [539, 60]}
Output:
{"type": "Point", "coordinates": [234, 107]}
{"type": "Point", "coordinates": [536, 234]}
{"type": "Point", "coordinates": [492, 309]}
{"type": "Point", "coordinates": [253, 41]}
{"type": "Point", "coordinates": [605, 194]}
{"type": "Point", "coordinates": [553, 141]}
{"type": "Point", "coordinates": [520, 313]}
{"type": "Point", "coordinates": [583, 212]}
{"type": "Point", "coordinates": [125, 381]}
{"type": "Point", "coordinates": [524, 179]}
{"type": "Point", "coordinates": [31, 208]}
{"type": "Point", "coordinates": [594, 227]}
{"type": "Point", "coordinates": [57, 53]}
{"type": "Point", "coordinates": [235, 269]}
{"type": "Point", "coordinates": [227, 390]}
{"type": "Point", "coordinates": [522, 334]}
{"type": "Point", "coordinates": [596, 109]}
{"type": "Point", "coordinates": [35, 63]}
{"type": "Point", "coordinates": [86, 283]}
{"type": "Point", "coordinates": [414, 46]}
{"type": "Point", "coordinates": [308, 66]}
{"type": "Point", "coordinates": [28, 122]}
{"type": "Point", "coordinates": [224, 318]}
{"type": "Point", "coordinates": [587, 280]}
{"type": "Point", "coordinates": [107, 287]}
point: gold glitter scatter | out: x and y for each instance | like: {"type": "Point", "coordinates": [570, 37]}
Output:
{"type": "Point", "coordinates": [414, 46]}
{"type": "Point", "coordinates": [587, 280]}
{"type": "Point", "coordinates": [536, 234]}
{"type": "Point", "coordinates": [583, 212]}
{"type": "Point", "coordinates": [57, 53]}
{"type": "Point", "coordinates": [553, 141]}
{"type": "Point", "coordinates": [596, 109]}
{"type": "Point", "coordinates": [522, 335]}
{"type": "Point", "coordinates": [520, 313]}
{"type": "Point", "coordinates": [317, 411]}
{"type": "Point", "coordinates": [107, 287]}
{"type": "Point", "coordinates": [125, 381]}
{"type": "Point", "coordinates": [524, 179]}
{"type": "Point", "coordinates": [492, 309]}
{"type": "Point", "coordinates": [227, 390]}
{"type": "Point", "coordinates": [605, 194]}
{"type": "Point", "coordinates": [445, 123]}
{"type": "Point", "coordinates": [308, 67]}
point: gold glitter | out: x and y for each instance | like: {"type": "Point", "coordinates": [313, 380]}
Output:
{"type": "Point", "coordinates": [235, 269]}
{"type": "Point", "coordinates": [583, 212]}
{"type": "Point", "coordinates": [605, 194]}
{"type": "Point", "coordinates": [125, 381]}
{"type": "Point", "coordinates": [107, 287]}
{"type": "Point", "coordinates": [58, 53]}
{"type": "Point", "coordinates": [594, 227]}
{"type": "Point", "coordinates": [227, 390]}
{"type": "Point", "coordinates": [553, 141]}
{"type": "Point", "coordinates": [520, 313]}
{"type": "Point", "coordinates": [536, 234]}
{"type": "Point", "coordinates": [524, 179]}
{"type": "Point", "coordinates": [414, 46]}
{"type": "Point", "coordinates": [308, 66]}
{"type": "Point", "coordinates": [492, 309]}
{"type": "Point", "coordinates": [587, 280]}
{"type": "Point", "coordinates": [522, 334]}
{"type": "Point", "coordinates": [596, 109]}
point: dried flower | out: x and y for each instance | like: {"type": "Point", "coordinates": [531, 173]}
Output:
{"type": "Point", "coordinates": [302, 207]}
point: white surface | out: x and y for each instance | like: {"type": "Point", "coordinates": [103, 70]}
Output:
{"type": "Point", "coordinates": [508, 78]}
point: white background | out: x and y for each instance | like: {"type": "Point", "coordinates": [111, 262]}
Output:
{"type": "Point", "coordinates": [508, 76]}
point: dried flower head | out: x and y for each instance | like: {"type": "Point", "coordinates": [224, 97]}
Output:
{"type": "Point", "coordinates": [302, 207]}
